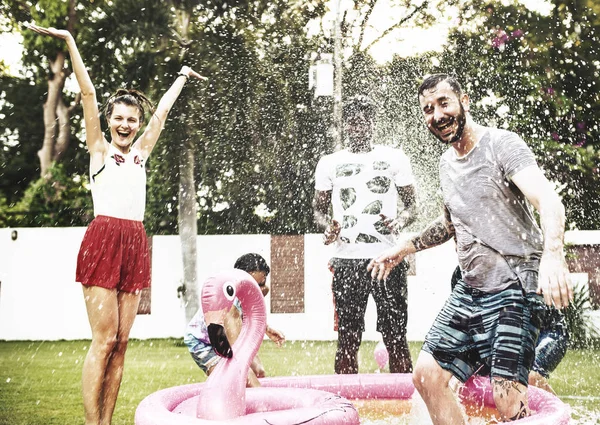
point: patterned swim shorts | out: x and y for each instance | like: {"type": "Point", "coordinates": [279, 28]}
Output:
{"type": "Point", "coordinates": [497, 331]}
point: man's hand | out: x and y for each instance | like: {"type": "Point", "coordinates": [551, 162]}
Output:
{"type": "Point", "coordinates": [332, 232]}
{"type": "Point", "coordinates": [382, 266]}
{"type": "Point", "coordinates": [554, 283]}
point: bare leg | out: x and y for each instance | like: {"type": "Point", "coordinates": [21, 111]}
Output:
{"type": "Point", "coordinates": [510, 398]}
{"type": "Point", "coordinates": [432, 383]}
{"type": "Point", "coordinates": [102, 310]}
{"type": "Point", "coordinates": [252, 380]}
{"type": "Point", "coordinates": [537, 380]}
{"type": "Point", "coordinates": [128, 307]}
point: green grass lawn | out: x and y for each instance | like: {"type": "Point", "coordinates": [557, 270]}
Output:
{"type": "Point", "coordinates": [40, 381]}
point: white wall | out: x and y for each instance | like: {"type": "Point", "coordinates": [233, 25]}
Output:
{"type": "Point", "coordinates": [40, 300]}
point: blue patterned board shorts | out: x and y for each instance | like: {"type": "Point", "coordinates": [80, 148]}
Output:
{"type": "Point", "coordinates": [203, 354]}
{"type": "Point", "coordinates": [477, 329]}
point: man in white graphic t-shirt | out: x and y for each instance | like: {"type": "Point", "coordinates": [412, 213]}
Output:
{"type": "Point", "coordinates": [363, 184]}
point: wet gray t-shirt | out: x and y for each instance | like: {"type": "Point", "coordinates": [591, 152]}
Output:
{"type": "Point", "coordinates": [498, 240]}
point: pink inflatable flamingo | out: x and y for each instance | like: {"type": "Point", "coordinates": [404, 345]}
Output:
{"type": "Point", "coordinates": [223, 398]}
{"type": "Point", "coordinates": [224, 394]}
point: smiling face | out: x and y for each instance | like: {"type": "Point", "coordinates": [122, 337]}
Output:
{"type": "Point", "coordinates": [124, 123]}
{"type": "Point", "coordinates": [445, 112]}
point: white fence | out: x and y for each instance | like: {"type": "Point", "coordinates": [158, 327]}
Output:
{"type": "Point", "coordinates": [40, 300]}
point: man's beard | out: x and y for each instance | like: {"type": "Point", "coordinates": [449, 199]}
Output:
{"type": "Point", "coordinates": [461, 119]}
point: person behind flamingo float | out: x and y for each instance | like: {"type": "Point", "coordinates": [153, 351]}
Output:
{"type": "Point", "coordinates": [196, 334]}
{"type": "Point", "coordinates": [488, 178]}
{"type": "Point", "coordinates": [113, 264]}
{"type": "Point", "coordinates": [363, 185]}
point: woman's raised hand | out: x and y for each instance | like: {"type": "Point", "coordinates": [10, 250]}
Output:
{"type": "Point", "coordinates": [52, 32]}
{"type": "Point", "coordinates": [186, 70]}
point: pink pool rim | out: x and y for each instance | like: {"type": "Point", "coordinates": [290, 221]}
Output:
{"type": "Point", "coordinates": [177, 405]}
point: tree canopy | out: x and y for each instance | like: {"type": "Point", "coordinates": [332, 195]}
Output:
{"type": "Point", "coordinates": [255, 129]}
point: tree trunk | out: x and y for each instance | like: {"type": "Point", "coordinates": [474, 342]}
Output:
{"type": "Point", "coordinates": [56, 113]}
{"type": "Point", "coordinates": [56, 82]}
{"type": "Point", "coordinates": [188, 230]}
{"type": "Point", "coordinates": [187, 219]}
{"type": "Point", "coordinates": [63, 114]}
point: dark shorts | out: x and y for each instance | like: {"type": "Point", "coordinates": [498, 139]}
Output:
{"type": "Point", "coordinates": [552, 342]}
{"type": "Point", "coordinates": [497, 331]}
{"type": "Point", "coordinates": [352, 284]}
{"type": "Point", "coordinates": [114, 254]}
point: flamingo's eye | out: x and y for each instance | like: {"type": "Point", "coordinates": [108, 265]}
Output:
{"type": "Point", "coordinates": [229, 291]}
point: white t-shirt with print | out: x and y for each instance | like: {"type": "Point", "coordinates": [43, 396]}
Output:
{"type": "Point", "coordinates": [363, 185]}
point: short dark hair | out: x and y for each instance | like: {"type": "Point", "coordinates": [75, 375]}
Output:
{"type": "Point", "coordinates": [359, 104]}
{"type": "Point", "coordinates": [252, 263]}
{"type": "Point", "coordinates": [430, 81]}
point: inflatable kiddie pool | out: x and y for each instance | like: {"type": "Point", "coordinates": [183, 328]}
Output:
{"type": "Point", "coordinates": [311, 400]}
{"type": "Point", "coordinates": [177, 405]}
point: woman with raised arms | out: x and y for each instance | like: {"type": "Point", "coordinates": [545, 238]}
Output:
{"type": "Point", "coordinates": [113, 264]}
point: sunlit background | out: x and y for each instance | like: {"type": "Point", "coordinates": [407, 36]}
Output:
{"type": "Point", "coordinates": [245, 144]}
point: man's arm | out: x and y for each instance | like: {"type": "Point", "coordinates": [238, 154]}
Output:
{"type": "Point", "coordinates": [331, 228]}
{"type": "Point", "coordinates": [554, 281]}
{"type": "Point", "coordinates": [436, 233]}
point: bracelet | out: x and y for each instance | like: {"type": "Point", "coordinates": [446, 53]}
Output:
{"type": "Point", "coordinates": [183, 75]}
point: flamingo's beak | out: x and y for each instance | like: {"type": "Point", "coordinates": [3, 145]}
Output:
{"type": "Point", "coordinates": [219, 341]}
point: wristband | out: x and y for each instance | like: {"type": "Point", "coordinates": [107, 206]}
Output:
{"type": "Point", "coordinates": [183, 75]}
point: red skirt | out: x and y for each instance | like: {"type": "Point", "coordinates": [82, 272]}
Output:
{"type": "Point", "coordinates": [114, 254]}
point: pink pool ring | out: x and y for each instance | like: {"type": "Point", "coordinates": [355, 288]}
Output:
{"type": "Point", "coordinates": [276, 404]}
{"type": "Point", "coordinates": [279, 406]}
{"type": "Point", "coordinates": [310, 400]}
{"type": "Point", "coordinates": [547, 408]}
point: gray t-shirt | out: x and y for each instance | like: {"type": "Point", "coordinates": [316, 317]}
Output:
{"type": "Point", "coordinates": [498, 240]}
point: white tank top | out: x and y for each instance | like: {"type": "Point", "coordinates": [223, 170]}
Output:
{"type": "Point", "coordinates": [119, 187]}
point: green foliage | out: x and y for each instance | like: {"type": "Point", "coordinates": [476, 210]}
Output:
{"type": "Point", "coordinates": [576, 172]}
{"type": "Point", "coordinates": [535, 75]}
{"type": "Point", "coordinates": [46, 13]}
{"type": "Point", "coordinates": [583, 331]}
{"type": "Point", "coordinates": [252, 128]}
{"type": "Point", "coordinates": [4, 216]}
{"type": "Point", "coordinates": [60, 200]}
{"type": "Point", "coordinates": [257, 133]}
{"type": "Point", "coordinates": [21, 135]}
